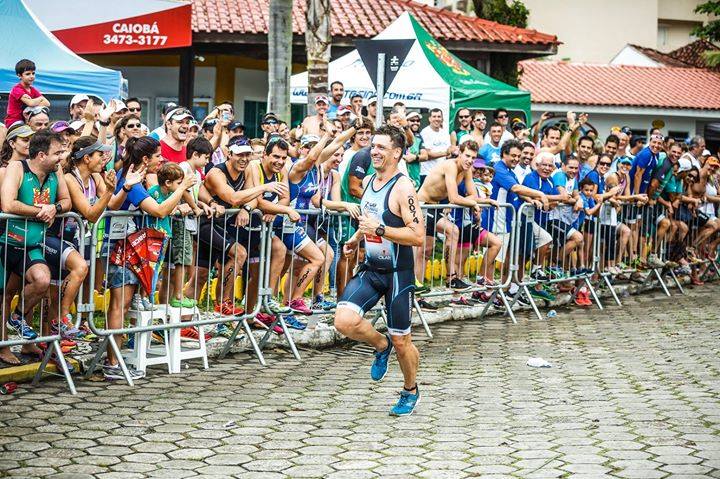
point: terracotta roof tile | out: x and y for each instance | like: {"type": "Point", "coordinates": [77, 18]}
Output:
{"type": "Point", "coordinates": [692, 53]}
{"type": "Point", "coordinates": [360, 18]}
{"type": "Point", "coordinates": [621, 85]}
{"type": "Point", "coordinates": [660, 57]}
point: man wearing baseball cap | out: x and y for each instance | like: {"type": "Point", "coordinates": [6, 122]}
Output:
{"type": "Point", "coordinates": [77, 106]}
{"type": "Point", "coordinates": [372, 108]}
{"type": "Point", "coordinates": [177, 124]}
{"type": "Point", "coordinates": [159, 132]}
{"type": "Point", "coordinates": [316, 124]}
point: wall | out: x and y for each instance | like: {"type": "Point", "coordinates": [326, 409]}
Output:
{"type": "Point", "coordinates": [594, 31]}
{"type": "Point", "coordinates": [680, 10]}
{"type": "Point", "coordinates": [678, 35]}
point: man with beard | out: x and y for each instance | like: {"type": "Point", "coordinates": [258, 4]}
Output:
{"type": "Point", "coordinates": [585, 151]}
{"type": "Point", "coordinates": [464, 126]}
{"type": "Point", "coordinates": [391, 225]}
{"type": "Point", "coordinates": [337, 90]}
{"type": "Point", "coordinates": [177, 123]}
{"type": "Point", "coordinates": [527, 155]}
{"type": "Point", "coordinates": [416, 153]}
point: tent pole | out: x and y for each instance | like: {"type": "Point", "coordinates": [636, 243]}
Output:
{"type": "Point", "coordinates": [380, 87]}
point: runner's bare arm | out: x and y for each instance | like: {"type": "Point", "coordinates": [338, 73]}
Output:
{"type": "Point", "coordinates": [339, 141]}
{"type": "Point", "coordinates": [8, 196]}
{"type": "Point", "coordinates": [303, 165]}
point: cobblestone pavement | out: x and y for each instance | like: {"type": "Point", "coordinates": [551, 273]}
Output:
{"type": "Point", "coordinates": [632, 393]}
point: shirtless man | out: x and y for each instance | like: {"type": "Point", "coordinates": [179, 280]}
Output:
{"type": "Point", "coordinates": [450, 182]}
{"type": "Point", "coordinates": [708, 222]}
{"type": "Point", "coordinates": [318, 123]}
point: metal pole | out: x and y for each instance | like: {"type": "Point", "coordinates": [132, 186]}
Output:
{"type": "Point", "coordinates": [380, 88]}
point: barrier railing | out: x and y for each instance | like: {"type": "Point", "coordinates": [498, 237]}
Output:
{"type": "Point", "coordinates": [37, 284]}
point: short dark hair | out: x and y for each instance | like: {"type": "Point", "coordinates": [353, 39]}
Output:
{"type": "Point", "coordinates": [24, 65]}
{"type": "Point", "coordinates": [41, 141]}
{"type": "Point", "coordinates": [570, 158]}
{"type": "Point", "coordinates": [355, 95]}
{"type": "Point", "coordinates": [435, 110]}
{"type": "Point", "coordinates": [133, 99]}
{"type": "Point", "coordinates": [469, 145]}
{"type": "Point", "coordinates": [336, 82]}
{"type": "Point", "coordinates": [612, 139]}
{"type": "Point", "coordinates": [495, 123]}
{"type": "Point", "coordinates": [551, 128]}
{"type": "Point", "coordinates": [586, 182]}
{"type": "Point", "coordinates": [527, 144]}
{"type": "Point", "coordinates": [397, 137]}
{"type": "Point", "coordinates": [200, 145]}
{"type": "Point", "coordinates": [276, 140]}
{"type": "Point", "coordinates": [509, 145]}
{"type": "Point", "coordinates": [586, 138]}
{"type": "Point", "coordinates": [635, 140]}
{"type": "Point", "coordinates": [497, 112]}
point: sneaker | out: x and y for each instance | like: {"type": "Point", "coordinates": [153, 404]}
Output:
{"type": "Point", "coordinates": [482, 296]}
{"type": "Point", "coordinates": [379, 367]}
{"type": "Point", "coordinates": [420, 287]}
{"type": "Point", "coordinates": [157, 338]}
{"type": "Point", "coordinates": [519, 297]}
{"type": "Point", "coordinates": [115, 372]}
{"type": "Point", "coordinates": [580, 297]}
{"type": "Point", "coordinates": [322, 303]}
{"type": "Point", "coordinates": [586, 298]}
{"type": "Point", "coordinates": [276, 308]}
{"type": "Point", "coordinates": [140, 303]}
{"type": "Point", "coordinates": [182, 303]}
{"type": "Point", "coordinates": [228, 308]}
{"type": "Point", "coordinates": [65, 328]}
{"type": "Point", "coordinates": [294, 323]}
{"type": "Point", "coordinates": [86, 333]}
{"type": "Point", "coordinates": [192, 334]}
{"type": "Point", "coordinates": [542, 294]}
{"type": "Point", "coordinates": [18, 324]}
{"type": "Point", "coordinates": [461, 301]}
{"type": "Point", "coordinates": [588, 271]}
{"type": "Point", "coordinates": [684, 270]}
{"type": "Point", "coordinates": [555, 272]}
{"type": "Point", "coordinates": [223, 330]}
{"type": "Point", "coordinates": [264, 320]}
{"type": "Point", "coordinates": [654, 262]}
{"type": "Point", "coordinates": [622, 266]}
{"type": "Point", "coordinates": [298, 306]}
{"type": "Point", "coordinates": [406, 404]}
{"type": "Point", "coordinates": [426, 306]}
{"type": "Point", "coordinates": [671, 264]}
{"type": "Point", "coordinates": [458, 284]}
{"type": "Point", "coordinates": [538, 274]}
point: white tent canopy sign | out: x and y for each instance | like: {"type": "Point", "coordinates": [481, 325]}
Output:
{"type": "Point", "coordinates": [430, 77]}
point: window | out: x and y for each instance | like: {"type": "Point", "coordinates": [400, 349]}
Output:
{"type": "Point", "coordinates": [254, 111]}
{"type": "Point", "coordinates": [678, 135]}
{"type": "Point", "coordinates": [662, 36]}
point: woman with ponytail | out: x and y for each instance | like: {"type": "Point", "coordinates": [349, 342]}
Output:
{"type": "Point", "coordinates": [142, 156]}
{"type": "Point", "coordinates": [16, 144]}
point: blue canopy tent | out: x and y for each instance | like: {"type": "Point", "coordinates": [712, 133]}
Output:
{"type": "Point", "coordinates": [59, 70]}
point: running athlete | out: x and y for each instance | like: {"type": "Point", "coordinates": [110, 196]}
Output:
{"type": "Point", "coordinates": [392, 225]}
{"type": "Point", "coordinates": [442, 186]}
{"type": "Point", "coordinates": [222, 240]}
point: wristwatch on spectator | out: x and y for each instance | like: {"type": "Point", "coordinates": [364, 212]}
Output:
{"type": "Point", "coordinates": [125, 189]}
{"type": "Point", "coordinates": [247, 208]}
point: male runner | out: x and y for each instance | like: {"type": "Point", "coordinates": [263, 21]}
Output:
{"type": "Point", "coordinates": [391, 224]}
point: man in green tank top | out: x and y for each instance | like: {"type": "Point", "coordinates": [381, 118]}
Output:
{"type": "Point", "coordinates": [416, 152]}
{"type": "Point", "coordinates": [31, 188]}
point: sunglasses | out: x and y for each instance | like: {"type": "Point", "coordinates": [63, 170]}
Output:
{"type": "Point", "coordinates": [463, 116]}
{"type": "Point", "coordinates": [135, 109]}
{"type": "Point", "coordinates": [480, 119]}
{"type": "Point", "coordinates": [502, 116]}
{"type": "Point", "coordinates": [604, 163]}
{"type": "Point", "coordinates": [132, 125]}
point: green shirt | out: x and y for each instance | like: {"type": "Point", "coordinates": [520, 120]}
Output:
{"type": "Point", "coordinates": [413, 168]}
{"type": "Point", "coordinates": [162, 224]}
{"type": "Point", "coordinates": [31, 232]}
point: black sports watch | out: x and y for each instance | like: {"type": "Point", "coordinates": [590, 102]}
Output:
{"type": "Point", "coordinates": [380, 230]}
{"type": "Point", "coordinates": [58, 208]}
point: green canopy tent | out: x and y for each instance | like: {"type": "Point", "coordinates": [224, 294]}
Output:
{"type": "Point", "coordinates": [430, 77]}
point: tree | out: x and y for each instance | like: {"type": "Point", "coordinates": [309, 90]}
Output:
{"type": "Point", "coordinates": [317, 45]}
{"type": "Point", "coordinates": [711, 30]}
{"type": "Point", "coordinates": [280, 57]}
{"type": "Point", "coordinates": [504, 67]}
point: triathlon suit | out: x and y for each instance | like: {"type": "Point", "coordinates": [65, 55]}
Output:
{"type": "Point", "coordinates": [388, 268]}
{"type": "Point", "coordinates": [62, 235]}
{"type": "Point", "coordinates": [21, 244]}
{"type": "Point", "coordinates": [301, 194]}
{"type": "Point", "coordinates": [293, 235]}
{"type": "Point", "coordinates": [217, 235]}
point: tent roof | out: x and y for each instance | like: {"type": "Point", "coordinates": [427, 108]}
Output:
{"type": "Point", "coordinates": [59, 71]}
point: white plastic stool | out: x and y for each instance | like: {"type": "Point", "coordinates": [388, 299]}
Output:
{"type": "Point", "coordinates": [144, 355]}
{"type": "Point", "coordinates": [177, 353]}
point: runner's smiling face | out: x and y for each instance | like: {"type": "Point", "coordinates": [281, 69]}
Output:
{"type": "Point", "coordinates": [655, 145]}
{"type": "Point", "coordinates": [527, 155]}
{"type": "Point", "coordinates": [275, 160]}
{"type": "Point", "coordinates": [383, 151]}
{"type": "Point", "coordinates": [466, 158]}
{"type": "Point", "coordinates": [48, 161]}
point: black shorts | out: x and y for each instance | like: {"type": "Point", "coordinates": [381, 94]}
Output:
{"type": "Point", "coordinates": [560, 231]}
{"type": "Point", "coordinates": [215, 240]}
{"type": "Point", "coordinates": [365, 289]}
{"type": "Point", "coordinates": [629, 214]}
{"type": "Point", "coordinates": [18, 260]}
{"type": "Point", "coordinates": [431, 218]}
{"type": "Point", "coordinates": [608, 239]}
{"type": "Point", "coordinates": [56, 253]}
{"type": "Point", "coordinates": [590, 226]}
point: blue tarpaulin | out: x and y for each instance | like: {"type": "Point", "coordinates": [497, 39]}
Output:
{"type": "Point", "coordinates": [59, 70]}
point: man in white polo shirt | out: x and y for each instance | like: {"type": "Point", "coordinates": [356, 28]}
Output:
{"type": "Point", "coordinates": [436, 141]}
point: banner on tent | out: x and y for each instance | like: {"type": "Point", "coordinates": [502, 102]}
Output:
{"type": "Point", "coordinates": [299, 95]}
{"type": "Point", "coordinates": [395, 53]}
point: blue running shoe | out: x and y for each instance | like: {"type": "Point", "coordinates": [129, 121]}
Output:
{"type": "Point", "coordinates": [294, 323]}
{"type": "Point", "coordinates": [379, 367]}
{"type": "Point", "coordinates": [406, 404]}
{"type": "Point", "coordinates": [322, 303]}
{"type": "Point", "coordinates": [18, 324]}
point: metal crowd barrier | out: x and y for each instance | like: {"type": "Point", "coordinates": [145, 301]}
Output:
{"type": "Point", "coordinates": [39, 316]}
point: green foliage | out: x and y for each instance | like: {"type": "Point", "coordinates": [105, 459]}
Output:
{"type": "Point", "coordinates": [514, 13]}
{"type": "Point", "coordinates": [710, 30]}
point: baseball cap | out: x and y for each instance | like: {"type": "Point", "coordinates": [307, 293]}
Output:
{"type": "Point", "coordinates": [625, 161]}
{"type": "Point", "coordinates": [78, 98]}
{"type": "Point", "coordinates": [89, 150]}
{"type": "Point", "coordinates": [23, 131]}
{"type": "Point", "coordinates": [77, 125]}
{"type": "Point", "coordinates": [479, 164]}
{"type": "Point", "coordinates": [684, 164]}
{"type": "Point", "coordinates": [705, 153]}
{"type": "Point", "coordinates": [307, 139]}
{"type": "Point", "coordinates": [627, 130]}
{"type": "Point", "coordinates": [235, 125]}
{"type": "Point", "coordinates": [120, 106]}
{"type": "Point", "coordinates": [371, 100]}
{"type": "Point", "coordinates": [209, 124]}
{"type": "Point", "coordinates": [178, 114]}
{"type": "Point", "coordinates": [413, 114]}
{"type": "Point", "coordinates": [322, 98]}
{"type": "Point", "coordinates": [519, 125]}
{"type": "Point", "coordinates": [60, 126]}
{"type": "Point", "coordinates": [712, 161]}
{"type": "Point", "coordinates": [239, 145]}
{"type": "Point", "coordinates": [194, 124]}
{"type": "Point", "coordinates": [342, 110]}
{"type": "Point", "coordinates": [270, 118]}
{"type": "Point", "coordinates": [169, 107]}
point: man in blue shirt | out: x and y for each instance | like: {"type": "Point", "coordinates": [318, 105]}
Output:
{"type": "Point", "coordinates": [490, 151]}
{"type": "Point", "coordinates": [644, 164]}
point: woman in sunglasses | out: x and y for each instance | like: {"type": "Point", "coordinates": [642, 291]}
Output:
{"type": "Point", "coordinates": [127, 127]}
